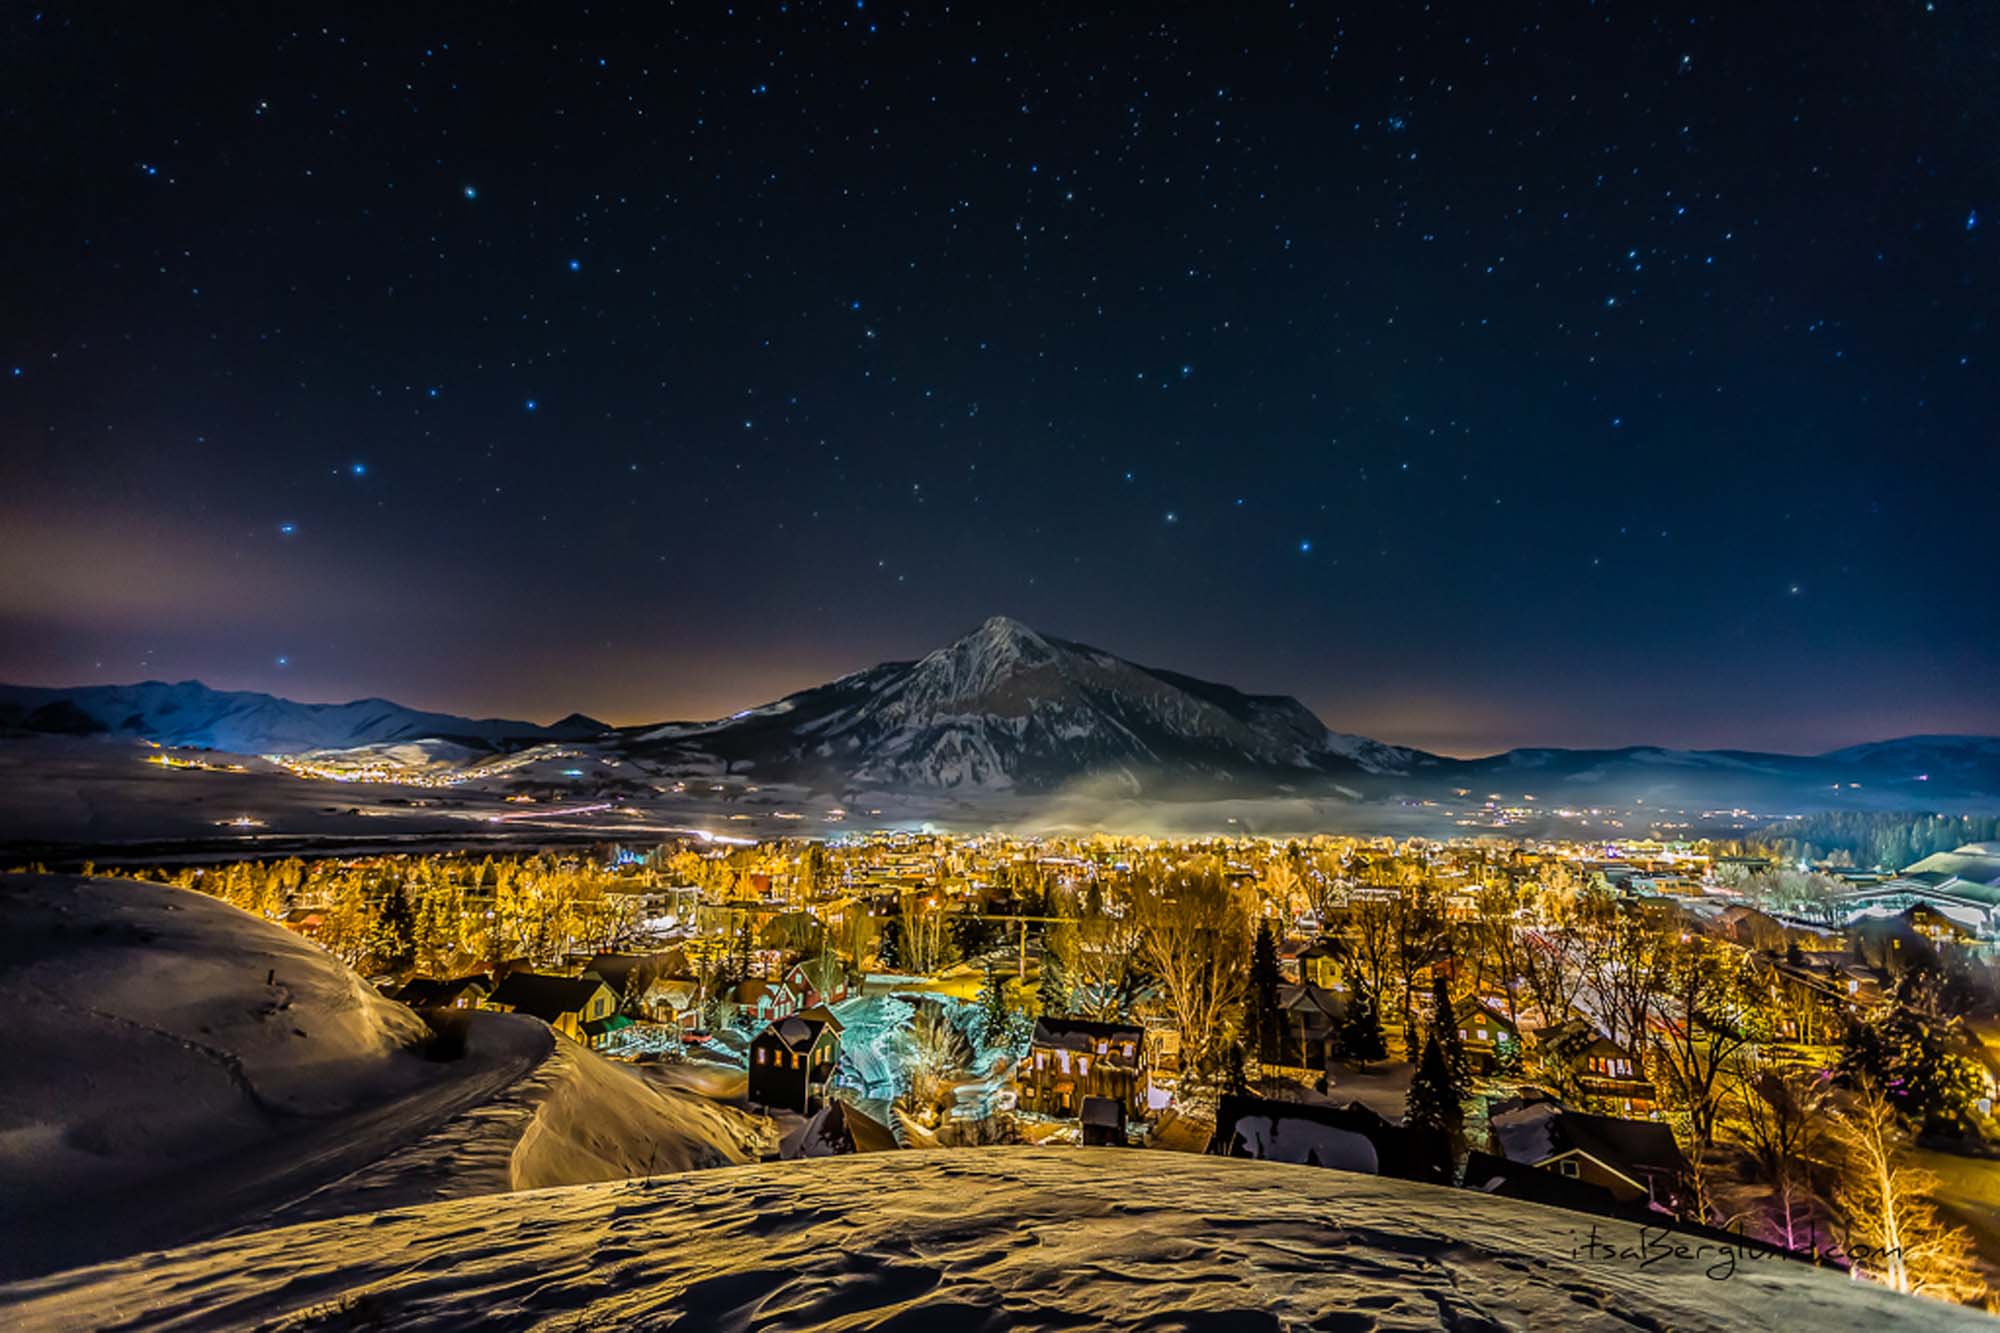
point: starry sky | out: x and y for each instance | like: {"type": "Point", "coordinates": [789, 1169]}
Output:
{"type": "Point", "coordinates": [1483, 375]}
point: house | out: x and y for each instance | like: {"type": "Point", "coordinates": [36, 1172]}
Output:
{"type": "Point", "coordinates": [819, 980]}
{"type": "Point", "coordinates": [1345, 1138]}
{"type": "Point", "coordinates": [1636, 1162]}
{"type": "Point", "coordinates": [628, 975]}
{"type": "Point", "coordinates": [763, 1001]}
{"type": "Point", "coordinates": [431, 993]}
{"type": "Point", "coordinates": [566, 1004]}
{"type": "Point", "coordinates": [1593, 1066]}
{"type": "Point", "coordinates": [1313, 1018]}
{"type": "Point", "coordinates": [1489, 1038]}
{"type": "Point", "coordinates": [792, 1061]}
{"type": "Point", "coordinates": [675, 1001]}
{"type": "Point", "coordinates": [1070, 1059]}
{"type": "Point", "coordinates": [1103, 1122]}
{"type": "Point", "coordinates": [1319, 964]}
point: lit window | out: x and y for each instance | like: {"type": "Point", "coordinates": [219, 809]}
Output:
{"type": "Point", "coordinates": [760, 1056]}
{"type": "Point", "coordinates": [1482, 1034]}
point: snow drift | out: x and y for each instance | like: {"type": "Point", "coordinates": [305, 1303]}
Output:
{"type": "Point", "coordinates": [966, 1240]}
{"type": "Point", "coordinates": [176, 1067]}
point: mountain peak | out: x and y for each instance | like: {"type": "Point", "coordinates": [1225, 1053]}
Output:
{"type": "Point", "coordinates": [1005, 630]}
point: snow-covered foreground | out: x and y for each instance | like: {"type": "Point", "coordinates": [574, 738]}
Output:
{"type": "Point", "coordinates": [961, 1240]}
{"type": "Point", "coordinates": [175, 1068]}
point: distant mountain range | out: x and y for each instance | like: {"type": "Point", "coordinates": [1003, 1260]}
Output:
{"type": "Point", "coordinates": [1008, 710]}
{"type": "Point", "coordinates": [244, 722]}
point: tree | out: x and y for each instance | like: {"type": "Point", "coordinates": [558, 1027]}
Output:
{"type": "Point", "coordinates": [1895, 1235]}
{"type": "Point", "coordinates": [1361, 1038]}
{"type": "Point", "coordinates": [993, 1011]}
{"type": "Point", "coordinates": [1192, 932]}
{"type": "Point", "coordinates": [1708, 1009]}
{"type": "Point", "coordinates": [1444, 1026]}
{"type": "Point", "coordinates": [1784, 1129]}
{"type": "Point", "coordinates": [1098, 953]}
{"type": "Point", "coordinates": [1910, 1055]}
{"type": "Point", "coordinates": [936, 1051]}
{"type": "Point", "coordinates": [1263, 1019]}
{"type": "Point", "coordinates": [1435, 1101]}
{"type": "Point", "coordinates": [1051, 984]}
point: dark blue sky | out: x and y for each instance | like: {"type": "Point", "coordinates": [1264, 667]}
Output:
{"type": "Point", "coordinates": [1495, 374]}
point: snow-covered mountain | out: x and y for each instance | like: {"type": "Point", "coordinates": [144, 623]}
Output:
{"type": "Point", "coordinates": [1007, 708]}
{"type": "Point", "coordinates": [243, 722]}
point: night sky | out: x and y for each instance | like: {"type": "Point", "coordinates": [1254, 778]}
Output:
{"type": "Point", "coordinates": [1491, 375]}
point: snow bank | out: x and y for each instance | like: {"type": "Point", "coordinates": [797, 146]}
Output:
{"type": "Point", "coordinates": [967, 1239]}
{"type": "Point", "coordinates": [175, 1067]}
{"type": "Point", "coordinates": [151, 1030]}
{"type": "Point", "coordinates": [575, 1118]}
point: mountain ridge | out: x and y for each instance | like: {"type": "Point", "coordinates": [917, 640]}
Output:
{"type": "Point", "coordinates": [1006, 709]}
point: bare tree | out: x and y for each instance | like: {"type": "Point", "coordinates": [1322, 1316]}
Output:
{"type": "Point", "coordinates": [1784, 1127]}
{"type": "Point", "coordinates": [1194, 938]}
{"type": "Point", "coordinates": [1887, 1206]}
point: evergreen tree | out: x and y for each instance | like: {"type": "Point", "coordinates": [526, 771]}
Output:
{"type": "Point", "coordinates": [889, 948]}
{"type": "Point", "coordinates": [1235, 1070]}
{"type": "Point", "coordinates": [1052, 986]}
{"type": "Point", "coordinates": [1262, 1016]}
{"type": "Point", "coordinates": [1361, 1038]}
{"type": "Point", "coordinates": [993, 1012]}
{"type": "Point", "coordinates": [1445, 1025]}
{"type": "Point", "coordinates": [1434, 1100]}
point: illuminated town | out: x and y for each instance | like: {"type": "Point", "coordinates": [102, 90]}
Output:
{"type": "Point", "coordinates": [822, 665]}
{"type": "Point", "coordinates": [1629, 1026]}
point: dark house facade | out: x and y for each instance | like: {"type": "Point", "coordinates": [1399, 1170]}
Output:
{"type": "Point", "coordinates": [792, 1061]}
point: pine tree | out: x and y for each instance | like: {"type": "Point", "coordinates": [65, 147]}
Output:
{"type": "Point", "coordinates": [1434, 1100]}
{"type": "Point", "coordinates": [1261, 1011]}
{"type": "Point", "coordinates": [1361, 1038]}
{"type": "Point", "coordinates": [1052, 986]}
{"type": "Point", "coordinates": [993, 1013]}
{"type": "Point", "coordinates": [1445, 1025]}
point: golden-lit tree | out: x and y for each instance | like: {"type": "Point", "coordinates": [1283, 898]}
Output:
{"type": "Point", "coordinates": [1887, 1205]}
{"type": "Point", "coordinates": [1193, 932]}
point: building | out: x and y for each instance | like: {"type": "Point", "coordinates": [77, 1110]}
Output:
{"type": "Point", "coordinates": [1072, 1058]}
{"type": "Point", "coordinates": [819, 980]}
{"type": "Point", "coordinates": [431, 993]}
{"type": "Point", "coordinates": [1595, 1067]}
{"type": "Point", "coordinates": [1961, 886]}
{"type": "Point", "coordinates": [1345, 1138]}
{"type": "Point", "coordinates": [1103, 1122]}
{"type": "Point", "coordinates": [1313, 1019]}
{"type": "Point", "coordinates": [792, 1061]}
{"type": "Point", "coordinates": [763, 1001]}
{"type": "Point", "coordinates": [1636, 1162]}
{"type": "Point", "coordinates": [1490, 1039]}
{"type": "Point", "coordinates": [567, 1004]}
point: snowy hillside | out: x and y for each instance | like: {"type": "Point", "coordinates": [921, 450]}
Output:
{"type": "Point", "coordinates": [176, 1067]}
{"type": "Point", "coordinates": [242, 722]}
{"type": "Point", "coordinates": [968, 1239]}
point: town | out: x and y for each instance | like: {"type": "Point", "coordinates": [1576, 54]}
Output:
{"type": "Point", "coordinates": [1784, 1043]}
